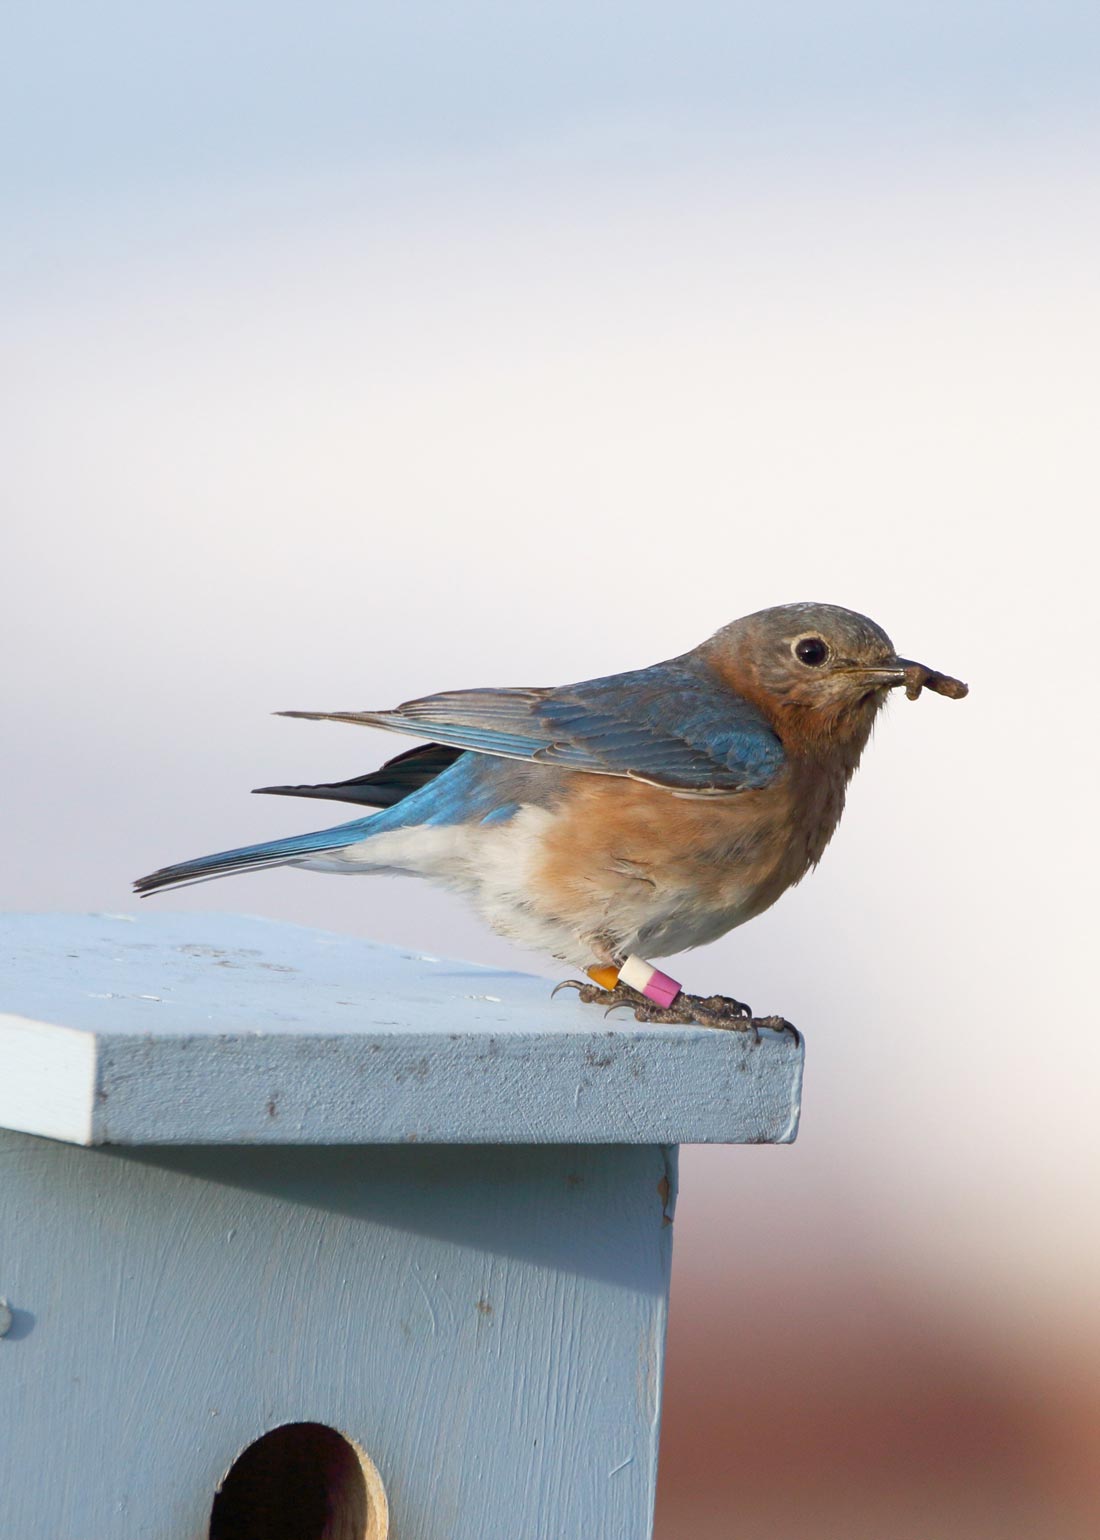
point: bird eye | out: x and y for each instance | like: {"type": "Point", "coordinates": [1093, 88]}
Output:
{"type": "Point", "coordinates": [811, 650]}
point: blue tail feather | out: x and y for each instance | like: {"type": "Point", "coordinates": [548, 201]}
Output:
{"type": "Point", "coordinates": [474, 788]}
{"type": "Point", "coordinates": [251, 858]}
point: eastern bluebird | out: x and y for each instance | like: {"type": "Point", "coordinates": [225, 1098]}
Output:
{"type": "Point", "coordinates": [625, 817]}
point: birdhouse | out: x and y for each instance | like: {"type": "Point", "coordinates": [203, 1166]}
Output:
{"type": "Point", "coordinates": [303, 1238]}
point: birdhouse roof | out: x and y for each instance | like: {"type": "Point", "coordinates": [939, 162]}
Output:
{"type": "Point", "coordinates": [167, 1028]}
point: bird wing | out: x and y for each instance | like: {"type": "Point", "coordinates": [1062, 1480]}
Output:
{"type": "Point", "coordinates": [397, 779]}
{"type": "Point", "coordinates": [675, 725]}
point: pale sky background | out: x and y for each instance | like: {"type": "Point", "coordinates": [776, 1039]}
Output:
{"type": "Point", "coordinates": [354, 352]}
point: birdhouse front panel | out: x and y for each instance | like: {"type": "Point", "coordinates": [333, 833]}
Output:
{"type": "Point", "coordinates": [349, 1342]}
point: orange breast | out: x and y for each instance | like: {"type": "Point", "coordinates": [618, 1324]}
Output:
{"type": "Point", "coordinates": [610, 835]}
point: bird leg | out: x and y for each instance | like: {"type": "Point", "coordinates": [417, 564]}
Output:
{"type": "Point", "coordinates": [717, 1011]}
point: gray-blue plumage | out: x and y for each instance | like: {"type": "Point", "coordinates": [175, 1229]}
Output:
{"type": "Point", "coordinates": [672, 725]}
{"type": "Point", "coordinates": [675, 725]}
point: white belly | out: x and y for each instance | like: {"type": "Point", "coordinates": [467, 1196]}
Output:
{"type": "Point", "coordinates": [490, 864]}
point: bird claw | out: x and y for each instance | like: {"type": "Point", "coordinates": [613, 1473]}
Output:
{"type": "Point", "coordinates": [568, 984]}
{"type": "Point", "coordinates": [716, 1012]}
{"type": "Point", "coordinates": [780, 1025]}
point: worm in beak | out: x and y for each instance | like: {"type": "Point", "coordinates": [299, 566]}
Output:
{"type": "Point", "coordinates": [917, 677]}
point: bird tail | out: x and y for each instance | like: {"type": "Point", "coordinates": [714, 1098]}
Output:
{"type": "Point", "coordinates": [252, 858]}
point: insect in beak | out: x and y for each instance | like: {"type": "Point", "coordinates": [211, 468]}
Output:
{"type": "Point", "coordinates": [917, 677]}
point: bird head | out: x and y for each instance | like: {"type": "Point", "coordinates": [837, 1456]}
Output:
{"type": "Point", "coordinates": [817, 669]}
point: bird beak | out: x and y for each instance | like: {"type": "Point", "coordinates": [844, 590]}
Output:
{"type": "Point", "coordinates": [915, 677]}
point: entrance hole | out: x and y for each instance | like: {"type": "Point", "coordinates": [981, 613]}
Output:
{"type": "Point", "coordinates": [303, 1481]}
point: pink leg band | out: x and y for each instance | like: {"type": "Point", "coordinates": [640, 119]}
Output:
{"type": "Point", "coordinates": [649, 981]}
{"type": "Point", "coordinates": [661, 988]}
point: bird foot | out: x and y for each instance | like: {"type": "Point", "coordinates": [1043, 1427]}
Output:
{"type": "Point", "coordinates": [717, 1011]}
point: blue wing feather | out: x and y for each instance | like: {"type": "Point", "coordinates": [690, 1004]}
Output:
{"type": "Point", "coordinates": [676, 725]}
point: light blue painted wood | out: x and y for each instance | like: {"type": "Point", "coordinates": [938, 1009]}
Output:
{"type": "Point", "coordinates": [488, 1323]}
{"type": "Point", "coordinates": [190, 1028]}
{"type": "Point", "coordinates": [285, 1240]}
